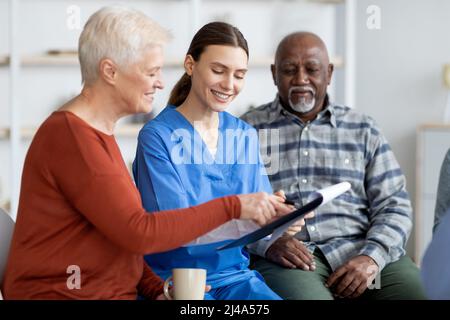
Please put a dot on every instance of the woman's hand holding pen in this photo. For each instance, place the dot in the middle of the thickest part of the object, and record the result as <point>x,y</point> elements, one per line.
<point>262,207</point>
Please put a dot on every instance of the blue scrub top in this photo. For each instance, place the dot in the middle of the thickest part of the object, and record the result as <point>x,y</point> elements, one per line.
<point>174,169</point>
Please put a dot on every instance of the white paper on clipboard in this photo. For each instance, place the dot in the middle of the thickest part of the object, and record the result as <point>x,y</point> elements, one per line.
<point>326,194</point>
<point>275,229</point>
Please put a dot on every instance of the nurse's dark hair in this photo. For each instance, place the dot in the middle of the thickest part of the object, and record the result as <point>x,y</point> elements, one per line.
<point>213,33</point>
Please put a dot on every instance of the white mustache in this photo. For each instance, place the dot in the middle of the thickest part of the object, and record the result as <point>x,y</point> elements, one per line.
<point>302,89</point>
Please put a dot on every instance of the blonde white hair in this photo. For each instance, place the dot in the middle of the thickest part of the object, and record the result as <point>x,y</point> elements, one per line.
<point>120,34</point>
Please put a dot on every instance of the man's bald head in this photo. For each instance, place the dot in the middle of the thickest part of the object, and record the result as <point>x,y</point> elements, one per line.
<point>304,38</point>
<point>302,73</point>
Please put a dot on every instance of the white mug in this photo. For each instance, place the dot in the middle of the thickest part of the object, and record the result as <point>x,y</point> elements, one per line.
<point>188,284</point>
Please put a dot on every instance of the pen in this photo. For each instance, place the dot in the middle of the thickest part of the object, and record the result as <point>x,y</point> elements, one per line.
<point>290,202</point>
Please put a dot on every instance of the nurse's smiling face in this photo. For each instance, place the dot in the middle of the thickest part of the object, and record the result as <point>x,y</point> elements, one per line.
<point>218,76</point>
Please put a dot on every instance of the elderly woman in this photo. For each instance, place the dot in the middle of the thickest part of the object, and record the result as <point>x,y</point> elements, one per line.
<point>81,231</point>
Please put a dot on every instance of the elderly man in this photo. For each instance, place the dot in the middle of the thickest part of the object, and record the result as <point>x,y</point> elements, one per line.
<point>357,241</point>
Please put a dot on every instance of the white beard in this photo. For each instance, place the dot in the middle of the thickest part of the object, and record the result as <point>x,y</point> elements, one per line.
<point>302,106</point>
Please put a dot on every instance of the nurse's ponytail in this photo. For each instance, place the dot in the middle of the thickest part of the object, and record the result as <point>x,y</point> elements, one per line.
<point>180,91</point>
<point>213,33</point>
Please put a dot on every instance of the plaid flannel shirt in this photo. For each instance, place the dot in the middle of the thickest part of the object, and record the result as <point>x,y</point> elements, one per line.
<point>374,218</point>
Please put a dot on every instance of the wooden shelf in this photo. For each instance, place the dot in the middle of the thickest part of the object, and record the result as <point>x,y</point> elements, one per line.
<point>434,126</point>
<point>4,133</point>
<point>43,60</point>
<point>65,60</point>
<point>50,60</point>
<point>328,1</point>
<point>26,132</point>
<point>4,60</point>
<point>316,1</point>
<point>338,62</point>
<point>122,131</point>
<point>5,205</point>
<point>72,60</point>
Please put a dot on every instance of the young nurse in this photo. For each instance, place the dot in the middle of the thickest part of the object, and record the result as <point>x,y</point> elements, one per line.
<point>194,151</point>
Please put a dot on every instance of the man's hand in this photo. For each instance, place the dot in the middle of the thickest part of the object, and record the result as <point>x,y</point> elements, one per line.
<point>291,253</point>
<point>352,279</point>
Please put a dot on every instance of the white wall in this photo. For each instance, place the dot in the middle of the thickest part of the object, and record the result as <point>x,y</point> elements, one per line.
<point>4,102</point>
<point>399,71</point>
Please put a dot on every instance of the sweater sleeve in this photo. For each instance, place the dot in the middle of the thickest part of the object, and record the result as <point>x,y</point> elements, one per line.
<point>110,204</point>
<point>150,285</point>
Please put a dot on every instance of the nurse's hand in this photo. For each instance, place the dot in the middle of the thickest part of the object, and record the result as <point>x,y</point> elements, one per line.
<point>262,207</point>
<point>297,225</point>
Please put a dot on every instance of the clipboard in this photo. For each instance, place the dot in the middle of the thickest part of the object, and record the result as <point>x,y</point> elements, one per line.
<point>279,226</point>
